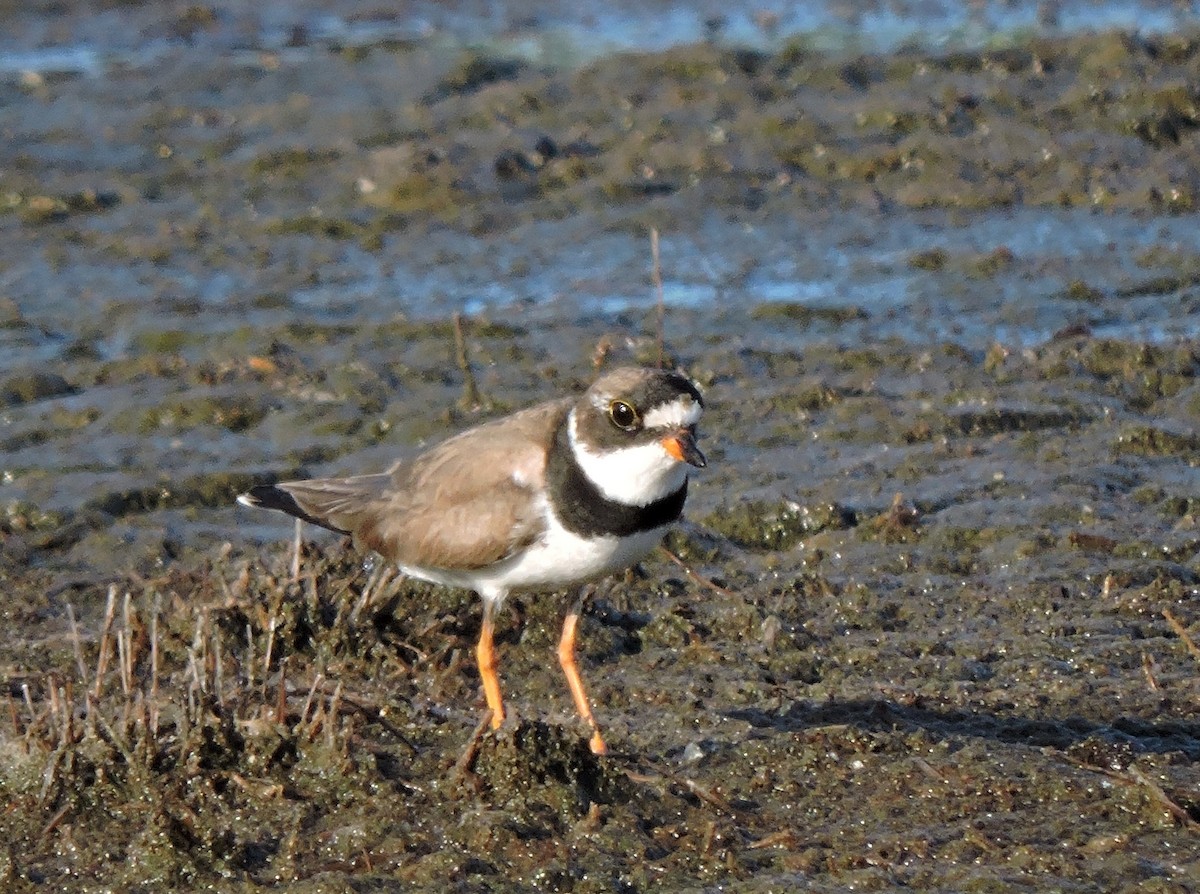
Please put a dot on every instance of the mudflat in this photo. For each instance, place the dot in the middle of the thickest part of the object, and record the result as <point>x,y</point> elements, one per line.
<point>933,621</point>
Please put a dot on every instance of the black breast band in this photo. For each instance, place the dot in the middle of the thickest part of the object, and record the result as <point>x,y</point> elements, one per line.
<point>585,511</point>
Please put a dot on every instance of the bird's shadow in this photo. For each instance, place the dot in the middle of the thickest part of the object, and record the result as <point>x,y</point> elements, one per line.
<point>1124,736</point>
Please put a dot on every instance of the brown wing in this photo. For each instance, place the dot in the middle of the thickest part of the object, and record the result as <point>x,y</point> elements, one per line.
<point>466,503</point>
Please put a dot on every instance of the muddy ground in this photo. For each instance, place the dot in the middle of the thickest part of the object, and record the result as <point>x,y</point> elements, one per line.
<point>936,619</point>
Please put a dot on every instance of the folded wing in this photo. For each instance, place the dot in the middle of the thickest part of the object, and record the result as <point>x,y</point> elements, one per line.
<point>467,503</point>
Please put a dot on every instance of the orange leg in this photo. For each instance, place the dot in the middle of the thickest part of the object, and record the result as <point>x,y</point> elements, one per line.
<point>485,655</point>
<point>566,659</point>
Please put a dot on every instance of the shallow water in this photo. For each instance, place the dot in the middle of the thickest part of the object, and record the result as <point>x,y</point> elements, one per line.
<point>138,35</point>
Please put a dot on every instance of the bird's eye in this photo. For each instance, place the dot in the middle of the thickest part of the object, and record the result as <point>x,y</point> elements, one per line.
<point>623,415</point>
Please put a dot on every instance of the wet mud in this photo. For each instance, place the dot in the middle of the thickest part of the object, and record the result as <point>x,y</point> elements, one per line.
<point>931,622</point>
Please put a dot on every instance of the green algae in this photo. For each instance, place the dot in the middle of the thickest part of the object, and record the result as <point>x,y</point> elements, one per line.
<point>231,413</point>
<point>762,526</point>
<point>1151,440</point>
<point>211,489</point>
<point>932,259</point>
<point>315,225</point>
<point>423,192</point>
<point>1079,290</point>
<point>806,314</point>
<point>992,421</point>
<point>20,517</point>
<point>474,71</point>
<point>35,385</point>
<point>44,209</point>
<point>294,163</point>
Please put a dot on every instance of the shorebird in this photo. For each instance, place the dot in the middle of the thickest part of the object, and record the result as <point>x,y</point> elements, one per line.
<point>558,494</point>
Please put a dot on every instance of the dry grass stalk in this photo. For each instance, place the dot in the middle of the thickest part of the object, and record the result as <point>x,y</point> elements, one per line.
<point>318,680</point>
<point>281,693</point>
<point>154,664</point>
<point>15,720</point>
<point>110,609</point>
<point>77,645</point>
<point>217,671</point>
<point>33,714</point>
<point>335,705</point>
<point>250,662</point>
<point>379,579</point>
<point>54,719</point>
<point>123,661</point>
<point>297,549</point>
<point>202,658</point>
<point>272,623</point>
<point>600,353</point>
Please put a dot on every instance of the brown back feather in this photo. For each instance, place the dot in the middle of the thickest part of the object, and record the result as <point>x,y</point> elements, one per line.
<point>465,503</point>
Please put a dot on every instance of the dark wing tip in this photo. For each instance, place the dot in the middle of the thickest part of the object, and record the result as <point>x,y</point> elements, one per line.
<point>267,496</point>
<point>271,496</point>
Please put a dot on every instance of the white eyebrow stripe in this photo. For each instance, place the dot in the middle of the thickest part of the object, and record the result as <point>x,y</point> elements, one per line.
<point>679,413</point>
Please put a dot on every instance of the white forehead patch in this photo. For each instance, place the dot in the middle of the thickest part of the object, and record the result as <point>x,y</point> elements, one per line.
<point>679,413</point>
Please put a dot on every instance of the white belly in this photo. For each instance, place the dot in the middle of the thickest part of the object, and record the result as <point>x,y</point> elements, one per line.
<point>561,557</point>
<point>558,559</point>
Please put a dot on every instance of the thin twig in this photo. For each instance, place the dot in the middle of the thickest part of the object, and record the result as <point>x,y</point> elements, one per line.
<point>55,706</point>
<point>1176,810</point>
<point>1148,670</point>
<point>51,772</point>
<point>29,705</point>
<point>1182,633</point>
<point>197,660</point>
<point>782,838</point>
<point>466,761</point>
<point>706,794</point>
<point>125,648</point>
<point>55,820</point>
<point>265,790</point>
<point>1136,777</point>
<point>702,581</point>
<point>656,273</point>
<point>470,399</point>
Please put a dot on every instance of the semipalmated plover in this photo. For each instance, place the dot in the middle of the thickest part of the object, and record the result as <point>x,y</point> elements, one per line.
<point>553,495</point>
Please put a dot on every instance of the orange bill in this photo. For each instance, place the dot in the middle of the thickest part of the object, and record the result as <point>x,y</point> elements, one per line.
<point>682,446</point>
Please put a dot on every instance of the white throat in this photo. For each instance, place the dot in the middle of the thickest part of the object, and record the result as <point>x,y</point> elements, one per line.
<point>634,475</point>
